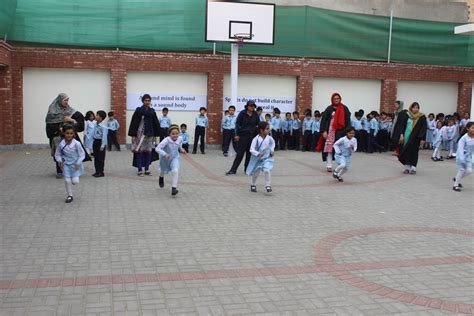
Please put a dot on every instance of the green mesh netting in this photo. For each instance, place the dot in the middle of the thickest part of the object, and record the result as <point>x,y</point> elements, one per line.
<point>7,14</point>
<point>178,25</point>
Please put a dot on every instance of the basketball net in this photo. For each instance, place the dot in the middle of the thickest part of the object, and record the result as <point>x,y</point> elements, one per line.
<point>240,42</point>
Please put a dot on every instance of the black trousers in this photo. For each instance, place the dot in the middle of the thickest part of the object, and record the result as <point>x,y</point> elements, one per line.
<point>163,133</point>
<point>316,136</point>
<point>243,148</point>
<point>99,156</point>
<point>307,140</point>
<point>362,140</point>
<point>112,139</point>
<point>227,137</point>
<point>186,147</point>
<point>295,139</point>
<point>199,135</point>
<point>286,140</point>
<point>277,137</point>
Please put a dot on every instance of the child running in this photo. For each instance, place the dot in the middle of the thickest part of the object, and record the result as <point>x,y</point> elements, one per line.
<point>69,154</point>
<point>262,150</point>
<point>343,148</point>
<point>464,156</point>
<point>169,150</point>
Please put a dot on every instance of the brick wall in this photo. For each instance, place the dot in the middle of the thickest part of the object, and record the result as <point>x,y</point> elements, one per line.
<point>119,62</point>
<point>6,136</point>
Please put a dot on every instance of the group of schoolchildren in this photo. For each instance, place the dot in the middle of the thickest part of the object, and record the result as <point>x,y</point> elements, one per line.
<point>444,132</point>
<point>367,134</point>
<point>288,133</point>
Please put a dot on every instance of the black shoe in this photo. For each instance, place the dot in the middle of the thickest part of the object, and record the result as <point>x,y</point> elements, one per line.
<point>225,154</point>
<point>253,189</point>
<point>269,189</point>
<point>459,185</point>
<point>230,173</point>
<point>161,182</point>
<point>98,175</point>
<point>194,152</point>
<point>59,175</point>
<point>340,179</point>
<point>174,191</point>
<point>147,173</point>
<point>457,189</point>
<point>69,199</point>
<point>440,159</point>
<point>203,153</point>
<point>335,176</point>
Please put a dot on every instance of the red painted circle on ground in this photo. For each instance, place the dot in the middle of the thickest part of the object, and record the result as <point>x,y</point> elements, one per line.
<point>325,260</point>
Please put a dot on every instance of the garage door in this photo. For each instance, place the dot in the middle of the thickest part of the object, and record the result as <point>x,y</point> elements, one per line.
<point>356,93</point>
<point>434,97</point>
<point>87,89</point>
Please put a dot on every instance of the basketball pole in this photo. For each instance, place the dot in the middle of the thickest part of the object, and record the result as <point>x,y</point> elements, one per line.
<point>234,73</point>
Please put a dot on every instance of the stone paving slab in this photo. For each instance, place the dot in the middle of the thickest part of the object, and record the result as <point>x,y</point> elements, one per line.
<point>380,243</point>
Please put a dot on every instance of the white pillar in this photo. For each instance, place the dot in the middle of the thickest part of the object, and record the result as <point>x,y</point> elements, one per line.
<point>234,74</point>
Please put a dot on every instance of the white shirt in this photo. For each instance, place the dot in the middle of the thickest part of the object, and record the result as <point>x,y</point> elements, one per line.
<point>260,144</point>
<point>343,145</point>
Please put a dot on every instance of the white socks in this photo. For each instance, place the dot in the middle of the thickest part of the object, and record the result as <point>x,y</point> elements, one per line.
<point>329,160</point>
<point>461,174</point>
<point>268,177</point>
<point>255,175</point>
<point>437,152</point>
<point>69,182</point>
<point>174,178</point>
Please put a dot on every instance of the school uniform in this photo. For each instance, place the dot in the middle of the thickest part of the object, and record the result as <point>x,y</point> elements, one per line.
<point>437,140</point>
<point>169,147</point>
<point>165,123</point>
<point>265,163</point>
<point>99,145</point>
<point>464,158</point>
<point>296,134</point>
<point>373,130</point>
<point>200,132</point>
<point>276,128</point>
<point>88,138</point>
<point>307,127</point>
<point>357,124</point>
<point>316,131</point>
<point>170,165</point>
<point>431,127</point>
<point>343,149</point>
<point>113,126</point>
<point>185,137</point>
<point>287,132</point>
<point>448,138</point>
<point>228,132</point>
<point>383,135</point>
<point>70,154</point>
<point>463,123</point>
<point>363,139</point>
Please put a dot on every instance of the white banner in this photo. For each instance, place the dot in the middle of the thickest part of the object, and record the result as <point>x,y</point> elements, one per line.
<point>285,104</point>
<point>174,102</point>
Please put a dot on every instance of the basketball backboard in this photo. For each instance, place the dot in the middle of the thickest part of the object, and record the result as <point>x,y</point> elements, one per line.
<point>231,21</point>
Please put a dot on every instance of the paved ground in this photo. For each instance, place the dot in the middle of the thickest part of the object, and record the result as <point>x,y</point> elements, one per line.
<point>380,243</point>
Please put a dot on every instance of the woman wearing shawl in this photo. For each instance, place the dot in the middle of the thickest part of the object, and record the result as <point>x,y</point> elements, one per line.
<point>409,132</point>
<point>334,121</point>
<point>144,128</point>
<point>59,113</point>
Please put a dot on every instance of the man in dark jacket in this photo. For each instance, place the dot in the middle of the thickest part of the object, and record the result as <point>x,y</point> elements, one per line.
<point>245,131</point>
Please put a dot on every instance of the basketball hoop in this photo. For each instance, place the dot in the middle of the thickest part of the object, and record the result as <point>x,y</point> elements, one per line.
<point>241,37</point>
